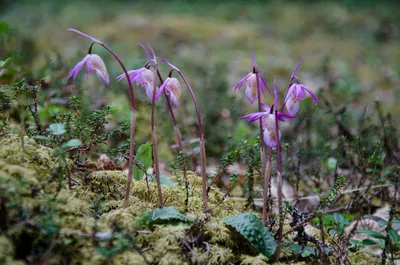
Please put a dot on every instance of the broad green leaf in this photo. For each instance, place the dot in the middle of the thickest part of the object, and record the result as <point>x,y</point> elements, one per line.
<point>394,236</point>
<point>165,215</point>
<point>44,138</point>
<point>145,156</point>
<point>57,128</point>
<point>368,242</point>
<point>372,233</point>
<point>251,228</point>
<point>72,143</point>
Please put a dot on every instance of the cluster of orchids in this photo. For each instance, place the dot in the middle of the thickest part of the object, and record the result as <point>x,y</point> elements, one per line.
<point>269,118</point>
<point>146,77</point>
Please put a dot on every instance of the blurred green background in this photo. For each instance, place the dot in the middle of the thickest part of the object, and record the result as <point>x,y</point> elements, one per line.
<point>352,57</point>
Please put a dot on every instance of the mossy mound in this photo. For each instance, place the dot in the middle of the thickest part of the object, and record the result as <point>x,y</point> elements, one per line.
<point>42,222</point>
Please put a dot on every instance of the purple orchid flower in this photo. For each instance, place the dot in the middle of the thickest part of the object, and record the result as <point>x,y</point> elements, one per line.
<point>269,125</point>
<point>251,88</point>
<point>173,90</point>
<point>93,63</point>
<point>143,77</point>
<point>296,93</point>
<point>251,81</point>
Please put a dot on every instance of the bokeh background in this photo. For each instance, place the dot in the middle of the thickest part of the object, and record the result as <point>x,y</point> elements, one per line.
<point>352,47</point>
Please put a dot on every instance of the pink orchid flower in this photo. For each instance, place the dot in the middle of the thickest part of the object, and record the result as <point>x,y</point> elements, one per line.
<point>251,81</point>
<point>93,63</point>
<point>296,93</point>
<point>269,124</point>
<point>143,77</point>
<point>251,86</point>
<point>173,90</point>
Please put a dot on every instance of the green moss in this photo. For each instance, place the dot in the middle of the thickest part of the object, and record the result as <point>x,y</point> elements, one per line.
<point>90,224</point>
<point>257,260</point>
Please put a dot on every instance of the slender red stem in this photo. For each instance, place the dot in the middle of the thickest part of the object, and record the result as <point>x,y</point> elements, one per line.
<point>279,182</point>
<point>178,136</point>
<point>267,180</point>
<point>154,140</point>
<point>264,171</point>
<point>132,124</point>
<point>202,145</point>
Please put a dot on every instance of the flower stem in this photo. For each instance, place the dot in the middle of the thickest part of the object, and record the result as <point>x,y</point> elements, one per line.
<point>202,145</point>
<point>178,136</point>
<point>132,124</point>
<point>155,145</point>
<point>262,150</point>
<point>279,184</point>
<point>267,181</point>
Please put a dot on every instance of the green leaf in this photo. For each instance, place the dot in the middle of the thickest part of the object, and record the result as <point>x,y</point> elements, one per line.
<point>307,252</point>
<point>372,233</point>
<point>57,128</point>
<point>165,215</point>
<point>4,63</point>
<point>3,27</point>
<point>368,242</point>
<point>394,236</point>
<point>251,228</point>
<point>331,163</point>
<point>72,143</point>
<point>44,138</point>
<point>382,223</point>
<point>145,156</point>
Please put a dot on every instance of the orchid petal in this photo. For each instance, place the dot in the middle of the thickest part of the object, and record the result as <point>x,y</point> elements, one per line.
<point>240,83</point>
<point>276,100</point>
<point>299,92</point>
<point>270,138</point>
<point>77,68</point>
<point>298,65</point>
<point>145,51</point>
<point>95,63</point>
<point>266,107</point>
<point>311,94</point>
<point>292,107</point>
<point>149,91</point>
<point>253,57</point>
<point>284,115</point>
<point>123,75</point>
<point>289,93</point>
<point>174,99</point>
<point>85,35</point>
<point>161,89</point>
<point>249,94</point>
<point>281,116</point>
<point>253,116</point>
<point>151,49</point>
<point>169,64</point>
<point>264,84</point>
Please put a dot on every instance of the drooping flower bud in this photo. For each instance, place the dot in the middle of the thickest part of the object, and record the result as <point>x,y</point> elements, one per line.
<point>172,88</point>
<point>144,78</point>
<point>93,63</point>
<point>296,93</point>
